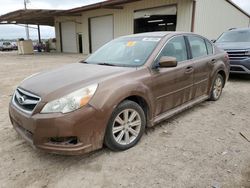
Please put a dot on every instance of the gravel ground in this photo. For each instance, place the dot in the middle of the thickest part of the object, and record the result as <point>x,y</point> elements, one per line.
<point>200,147</point>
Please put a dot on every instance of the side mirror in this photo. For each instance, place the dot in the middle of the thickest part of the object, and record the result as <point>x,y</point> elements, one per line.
<point>166,61</point>
<point>213,40</point>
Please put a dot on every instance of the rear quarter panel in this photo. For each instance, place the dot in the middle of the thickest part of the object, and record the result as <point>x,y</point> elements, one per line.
<point>222,64</point>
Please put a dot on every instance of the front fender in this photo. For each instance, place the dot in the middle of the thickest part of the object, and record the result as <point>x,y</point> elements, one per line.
<point>109,96</point>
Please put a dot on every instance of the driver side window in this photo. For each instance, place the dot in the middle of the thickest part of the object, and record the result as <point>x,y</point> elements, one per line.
<point>176,47</point>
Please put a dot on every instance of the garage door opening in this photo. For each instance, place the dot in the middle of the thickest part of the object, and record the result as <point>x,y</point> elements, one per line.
<point>155,19</point>
<point>80,47</point>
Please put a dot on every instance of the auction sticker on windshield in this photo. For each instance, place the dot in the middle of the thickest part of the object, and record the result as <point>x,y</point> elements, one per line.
<point>152,39</point>
<point>131,43</point>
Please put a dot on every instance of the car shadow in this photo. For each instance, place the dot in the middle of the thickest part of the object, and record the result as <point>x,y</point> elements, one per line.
<point>239,77</point>
<point>70,160</point>
<point>171,123</point>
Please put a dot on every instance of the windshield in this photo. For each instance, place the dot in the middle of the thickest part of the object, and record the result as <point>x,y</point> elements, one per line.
<point>128,52</point>
<point>235,36</point>
<point>6,43</point>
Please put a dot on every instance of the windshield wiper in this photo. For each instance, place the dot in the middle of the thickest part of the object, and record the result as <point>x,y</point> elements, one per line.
<point>83,61</point>
<point>106,64</point>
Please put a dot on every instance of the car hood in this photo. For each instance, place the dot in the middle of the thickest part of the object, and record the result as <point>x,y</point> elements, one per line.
<point>233,45</point>
<point>62,81</point>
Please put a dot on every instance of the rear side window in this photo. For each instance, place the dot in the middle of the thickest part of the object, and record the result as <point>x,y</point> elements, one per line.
<point>176,47</point>
<point>198,46</point>
<point>209,47</point>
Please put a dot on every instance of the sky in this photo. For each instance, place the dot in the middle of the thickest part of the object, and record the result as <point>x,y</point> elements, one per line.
<point>48,32</point>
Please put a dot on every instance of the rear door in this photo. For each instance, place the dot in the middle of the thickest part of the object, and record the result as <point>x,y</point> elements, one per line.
<point>173,86</point>
<point>202,64</point>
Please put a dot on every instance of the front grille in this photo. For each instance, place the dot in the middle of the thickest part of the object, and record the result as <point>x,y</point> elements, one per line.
<point>25,101</point>
<point>237,54</point>
<point>238,69</point>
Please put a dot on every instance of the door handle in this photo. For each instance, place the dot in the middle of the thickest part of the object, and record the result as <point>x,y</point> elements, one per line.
<point>189,70</point>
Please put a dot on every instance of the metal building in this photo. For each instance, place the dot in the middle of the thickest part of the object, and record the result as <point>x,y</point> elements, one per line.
<point>85,29</point>
<point>100,23</point>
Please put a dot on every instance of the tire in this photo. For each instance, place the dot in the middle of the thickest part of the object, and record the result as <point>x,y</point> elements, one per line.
<point>217,88</point>
<point>122,134</point>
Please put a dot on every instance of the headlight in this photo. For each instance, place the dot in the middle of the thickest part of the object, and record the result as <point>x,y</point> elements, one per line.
<point>247,53</point>
<point>71,102</point>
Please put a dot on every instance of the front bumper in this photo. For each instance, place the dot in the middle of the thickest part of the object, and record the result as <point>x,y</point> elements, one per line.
<point>87,125</point>
<point>240,66</point>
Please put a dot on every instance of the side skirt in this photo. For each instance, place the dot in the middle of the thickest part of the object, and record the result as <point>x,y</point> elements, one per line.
<point>179,109</point>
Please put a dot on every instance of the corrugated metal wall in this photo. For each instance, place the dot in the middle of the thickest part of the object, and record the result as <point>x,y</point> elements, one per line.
<point>215,16</point>
<point>124,19</point>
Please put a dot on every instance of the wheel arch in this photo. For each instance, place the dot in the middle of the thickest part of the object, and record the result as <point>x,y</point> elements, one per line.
<point>136,92</point>
<point>220,71</point>
<point>223,74</point>
<point>142,102</point>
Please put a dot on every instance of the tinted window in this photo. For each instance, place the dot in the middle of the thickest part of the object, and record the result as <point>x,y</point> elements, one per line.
<point>209,47</point>
<point>176,47</point>
<point>198,46</point>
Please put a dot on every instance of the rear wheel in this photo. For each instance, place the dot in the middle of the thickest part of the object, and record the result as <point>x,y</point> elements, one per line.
<point>125,127</point>
<point>217,88</point>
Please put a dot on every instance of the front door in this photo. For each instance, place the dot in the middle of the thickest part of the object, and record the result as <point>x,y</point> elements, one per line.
<point>173,86</point>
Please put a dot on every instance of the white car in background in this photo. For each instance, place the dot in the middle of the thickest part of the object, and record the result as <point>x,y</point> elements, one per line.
<point>6,46</point>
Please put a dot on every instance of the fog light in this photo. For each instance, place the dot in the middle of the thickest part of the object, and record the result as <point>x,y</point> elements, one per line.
<point>64,140</point>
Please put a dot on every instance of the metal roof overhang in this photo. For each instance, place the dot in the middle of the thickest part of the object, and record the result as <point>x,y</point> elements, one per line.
<point>116,4</point>
<point>47,17</point>
<point>31,16</point>
<point>108,4</point>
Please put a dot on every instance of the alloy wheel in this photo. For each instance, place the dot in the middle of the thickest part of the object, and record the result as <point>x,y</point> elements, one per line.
<point>126,126</point>
<point>218,86</point>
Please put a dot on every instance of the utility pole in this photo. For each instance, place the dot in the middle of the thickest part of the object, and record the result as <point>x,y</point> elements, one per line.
<point>27,26</point>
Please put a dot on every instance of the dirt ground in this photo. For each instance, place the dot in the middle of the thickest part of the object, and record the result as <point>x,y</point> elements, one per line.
<point>199,148</point>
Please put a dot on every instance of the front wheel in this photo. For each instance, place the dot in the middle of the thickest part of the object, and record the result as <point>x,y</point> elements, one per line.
<point>126,126</point>
<point>217,88</point>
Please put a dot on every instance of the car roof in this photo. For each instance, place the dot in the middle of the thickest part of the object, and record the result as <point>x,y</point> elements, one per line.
<point>239,29</point>
<point>156,34</point>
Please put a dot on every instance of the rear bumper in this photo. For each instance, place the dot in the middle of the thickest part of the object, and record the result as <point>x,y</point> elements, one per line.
<point>240,66</point>
<point>39,130</point>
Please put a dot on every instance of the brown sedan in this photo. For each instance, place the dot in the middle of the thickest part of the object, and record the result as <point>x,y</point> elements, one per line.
<point>131,83</point>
